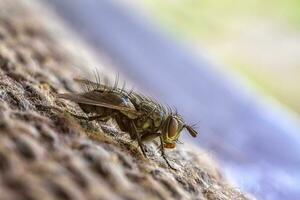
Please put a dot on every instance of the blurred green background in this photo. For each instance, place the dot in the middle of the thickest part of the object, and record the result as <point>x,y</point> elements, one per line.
<point>260,40</point>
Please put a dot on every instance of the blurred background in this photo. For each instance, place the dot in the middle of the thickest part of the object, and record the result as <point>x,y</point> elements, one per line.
<point>232,65</point>
<point>258,40</point>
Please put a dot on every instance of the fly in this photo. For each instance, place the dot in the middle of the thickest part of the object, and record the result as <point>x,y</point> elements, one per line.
<point>142,117</point>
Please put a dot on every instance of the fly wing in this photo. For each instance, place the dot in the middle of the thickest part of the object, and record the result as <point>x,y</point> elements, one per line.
<point>89,83</point>
<point>91,99</point>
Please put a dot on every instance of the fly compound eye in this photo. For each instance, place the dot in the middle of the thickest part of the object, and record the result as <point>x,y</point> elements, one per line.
<point>173,128</point>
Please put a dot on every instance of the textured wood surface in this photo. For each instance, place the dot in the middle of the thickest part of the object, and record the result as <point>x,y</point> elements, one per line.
<point>241,127</point>
<point>47,154</point>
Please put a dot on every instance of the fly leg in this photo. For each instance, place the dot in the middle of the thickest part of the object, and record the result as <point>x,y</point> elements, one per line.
<point>163,154</point>
<point>138,137</point>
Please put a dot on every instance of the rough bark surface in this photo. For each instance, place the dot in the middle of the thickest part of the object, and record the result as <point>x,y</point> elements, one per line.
<point>47,154</point>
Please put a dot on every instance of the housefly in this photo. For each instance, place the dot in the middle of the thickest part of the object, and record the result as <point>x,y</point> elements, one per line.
<point>142,117</point>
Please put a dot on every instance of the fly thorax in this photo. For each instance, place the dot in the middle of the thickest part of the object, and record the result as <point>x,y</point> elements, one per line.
<point>147,124</point>
<point>157,118</point>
